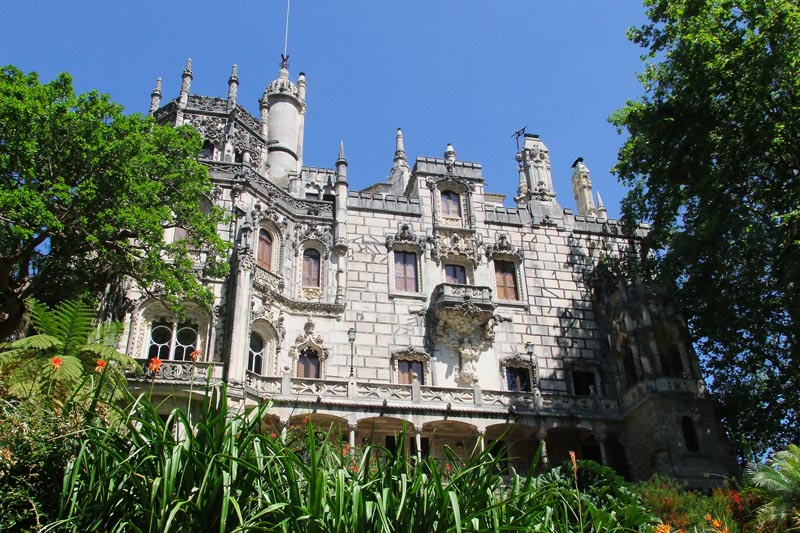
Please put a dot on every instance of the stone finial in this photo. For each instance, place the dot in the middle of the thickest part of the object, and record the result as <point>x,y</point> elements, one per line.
<point>602,212</point>
<point>341,159</point>
<point>155,97</point>
<point>301,86</point>
<point>399,149</point>
<point>450,154</point>
<point>341,165</point>
<point>233,85</point>
<point>582,189</point>
<point>186,82</point>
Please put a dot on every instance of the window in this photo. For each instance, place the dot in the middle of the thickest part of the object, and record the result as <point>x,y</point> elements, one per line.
<point>455,274</point>
<point>407,368</point>
<point>311,268</point>
<point>308,364</point>
<point>518,379</point>
<point>506,277</point>
<point>451,204</point>
<point>264,258</point>
<point>689,434</point>
<point>405,271</point>
<point>169,340</point>
<point>255,358</point>
<point>312,195</point>
<point>583,382</point>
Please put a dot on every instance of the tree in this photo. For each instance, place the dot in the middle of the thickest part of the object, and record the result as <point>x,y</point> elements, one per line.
<point>86,194</point>
<point>780,480</point>
<point>712,159</point>
<point>67,346</point>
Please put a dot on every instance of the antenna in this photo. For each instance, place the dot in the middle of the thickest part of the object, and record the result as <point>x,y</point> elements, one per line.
<point>519,133</point>
<point>285,55</point>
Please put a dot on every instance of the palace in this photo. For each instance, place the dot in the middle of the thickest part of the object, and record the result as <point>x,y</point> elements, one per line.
<point>425,302</point>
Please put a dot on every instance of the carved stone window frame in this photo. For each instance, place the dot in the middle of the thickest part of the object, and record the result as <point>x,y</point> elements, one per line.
<point>463,190</point>
<point>272,341</point>
<point>410,353</point>
<point>583,365</point>
<point>305,340</point>
<point>519,361</point>
<point>308,293</point>
<point>405,240</point>
<point>152,311</point>
<point>277,246</point>
<point>504,250</point>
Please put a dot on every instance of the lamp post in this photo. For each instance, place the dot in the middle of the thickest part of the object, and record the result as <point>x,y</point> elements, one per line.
<point>529,349</point>
<point>351,336</point>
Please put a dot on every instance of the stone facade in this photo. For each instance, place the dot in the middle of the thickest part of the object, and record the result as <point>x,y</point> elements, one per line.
<point>425,302</point>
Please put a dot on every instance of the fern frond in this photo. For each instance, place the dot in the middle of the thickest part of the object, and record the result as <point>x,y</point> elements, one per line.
<point>33,343</point>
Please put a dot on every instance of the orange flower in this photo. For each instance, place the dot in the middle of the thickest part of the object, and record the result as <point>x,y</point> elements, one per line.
<point>100,365</point>
<point>155,365</point>
<point>663,528</point>
<point>346,449</point>
<point>195,355</point>
<point>574,459</point>
<point>707,517</point>
<point>274,435</point>
<point>716,524</point>
<point>56,363</point>
<point>448,467</point>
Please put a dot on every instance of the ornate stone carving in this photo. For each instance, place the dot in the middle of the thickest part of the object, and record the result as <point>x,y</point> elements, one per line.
<point>465,323</point>
<point>244,259</point>
<point>311,293</point>
<point>322,234</point>
<point>308,339</point>
<point>503,246</point>
<point>273,316</point>
<point>404,235</point>
<point>210,128</point>
<point>207,103</point>
<point>451,244</point>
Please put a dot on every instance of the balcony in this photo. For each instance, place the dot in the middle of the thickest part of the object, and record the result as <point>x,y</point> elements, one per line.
<point>395,398</point>
<point>177,372</point>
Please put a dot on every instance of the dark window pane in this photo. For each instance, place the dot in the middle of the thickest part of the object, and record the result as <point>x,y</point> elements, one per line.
<point>264,259</point>
<point>583,382</point>
<point>455,274</point>
<point>505,274</point>
<point>405,271</point>
<point>451,204</point>
<point>518,379</point>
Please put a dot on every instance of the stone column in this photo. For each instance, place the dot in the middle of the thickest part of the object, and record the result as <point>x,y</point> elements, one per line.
<point>352,437</point>
<point>482,438</point>
<point>542,435</point>
<point>418,442</point>
<point>240,330</point>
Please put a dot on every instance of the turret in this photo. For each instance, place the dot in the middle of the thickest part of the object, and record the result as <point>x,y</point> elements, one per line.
<point>233,85</point>
<point>582,189</point>
<point>155,97</point>
<point>287,107</point>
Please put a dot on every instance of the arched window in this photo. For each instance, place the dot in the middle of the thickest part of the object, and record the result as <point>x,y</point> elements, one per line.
<point>255,358</point>
<point>311,268</point>
<point>451,204</point>
<point>169,340</point>
<point>308,364</point>
<point>264,259</point>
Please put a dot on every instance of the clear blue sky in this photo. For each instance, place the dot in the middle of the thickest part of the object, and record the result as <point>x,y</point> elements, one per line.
<point>466,72</point>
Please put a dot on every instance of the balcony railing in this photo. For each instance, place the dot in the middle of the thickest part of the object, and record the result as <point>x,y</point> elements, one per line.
<point>287,388</point>
<point>177,372</point>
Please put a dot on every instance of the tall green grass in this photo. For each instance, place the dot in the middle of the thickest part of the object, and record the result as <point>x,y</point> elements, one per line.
<point>210,469</point>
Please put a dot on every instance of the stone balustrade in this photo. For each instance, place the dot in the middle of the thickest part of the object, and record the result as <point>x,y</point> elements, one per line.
<point>178,372</point>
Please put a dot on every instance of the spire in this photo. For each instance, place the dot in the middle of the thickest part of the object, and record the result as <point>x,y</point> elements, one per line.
<point>602,212</point>
<point>399,150</point>
<point>341,165</point>
<point>155,97</point>
<point>186,82</point>
<point>582,189</point>
<point>233,85</point>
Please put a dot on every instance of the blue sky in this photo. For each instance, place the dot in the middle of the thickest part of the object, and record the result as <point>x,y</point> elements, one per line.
<point>465,72</point>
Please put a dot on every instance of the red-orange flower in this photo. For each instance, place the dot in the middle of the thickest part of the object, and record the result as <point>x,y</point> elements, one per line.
<point>100,365</point>
<point>574,459</point>
<point>195,355</point>
<point>663,528</point>
<point>448,467</point>
<point>56,363</point>
<point>274,435</point>
<point>155,365</point>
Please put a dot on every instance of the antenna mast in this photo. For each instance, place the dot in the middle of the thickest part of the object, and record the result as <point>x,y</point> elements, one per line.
<point>285,55</point>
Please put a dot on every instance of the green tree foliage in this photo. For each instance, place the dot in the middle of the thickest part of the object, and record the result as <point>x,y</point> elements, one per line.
<point>86,193</point>
<point>780,481</point>
<point>67,346</point>
<point>712,159</point>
